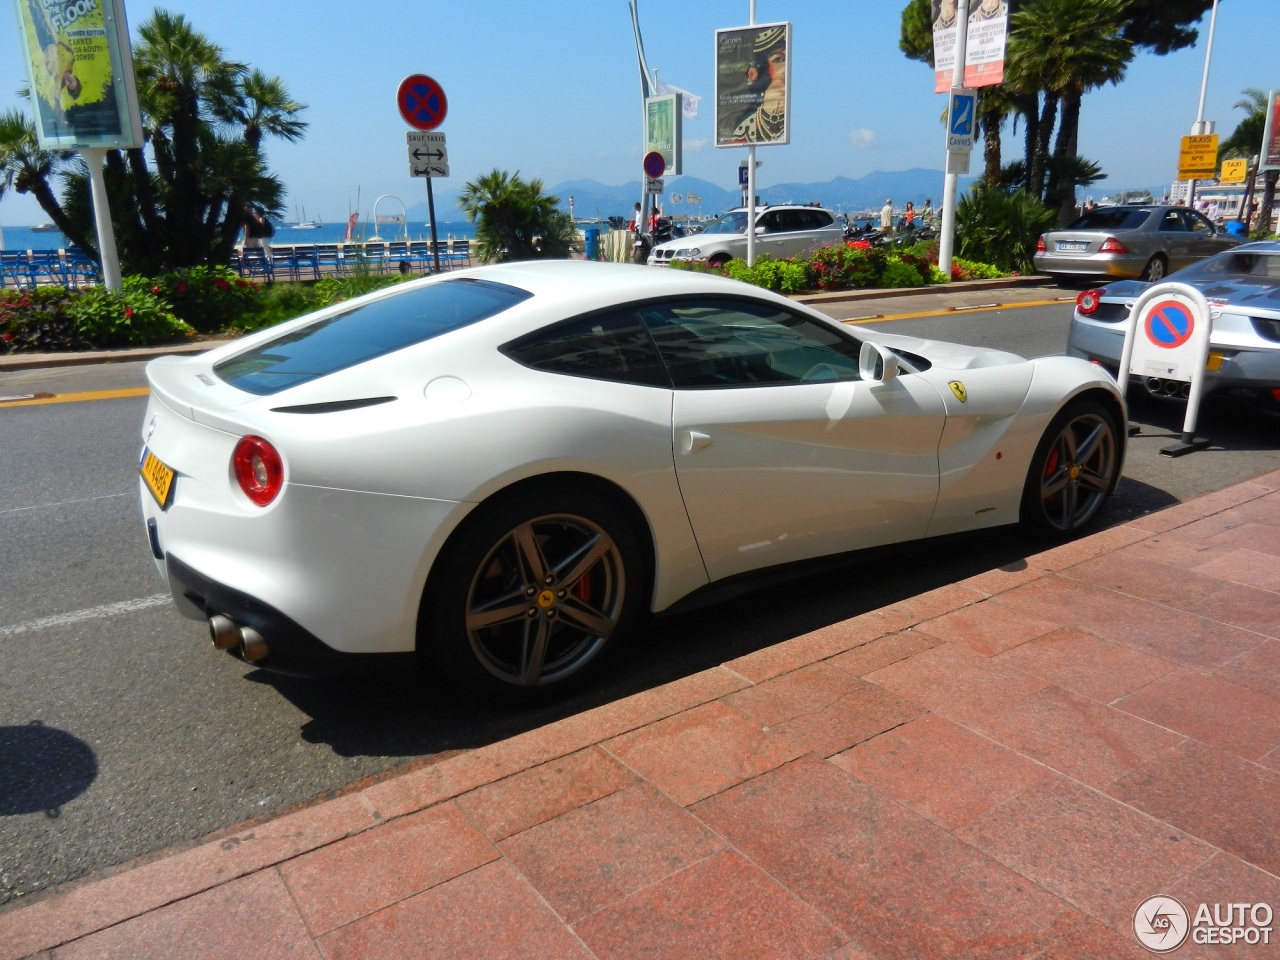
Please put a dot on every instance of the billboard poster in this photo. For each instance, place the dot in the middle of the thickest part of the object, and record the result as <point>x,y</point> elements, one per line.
<point>985,37</point>
<point>662,129</point>
<point>81,73</point>
<point>753,85</point>
<point>1270,159</point>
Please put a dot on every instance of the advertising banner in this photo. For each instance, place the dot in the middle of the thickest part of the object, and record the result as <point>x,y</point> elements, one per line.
<point>1270,159</point>
<point>987,30</point>
<point>753,85</point>
<point>81,72</point>
<point>662,130</point>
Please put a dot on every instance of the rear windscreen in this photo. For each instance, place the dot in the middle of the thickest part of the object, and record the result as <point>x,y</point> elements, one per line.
<point>1110,218</point>
<point>365,331</point>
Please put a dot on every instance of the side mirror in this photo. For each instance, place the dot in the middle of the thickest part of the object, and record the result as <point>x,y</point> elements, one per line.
<point>877,364</point>
<point>759,231</point>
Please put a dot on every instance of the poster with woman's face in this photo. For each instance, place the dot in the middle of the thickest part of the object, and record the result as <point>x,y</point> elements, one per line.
<point>753,85</point>
<point>74,58</point>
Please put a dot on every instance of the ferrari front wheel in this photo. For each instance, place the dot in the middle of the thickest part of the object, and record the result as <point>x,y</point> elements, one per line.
<point>540,589</point>
<point>1075,468</point>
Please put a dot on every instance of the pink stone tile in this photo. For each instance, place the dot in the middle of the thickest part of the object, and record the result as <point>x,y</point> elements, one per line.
<point>1259,669</point>
<point>1246,607</point>
<point>724,908</point>
<point>1087,939</point>
<point>799,692</point>
<point>1087,548</point>
<point>1088,741</point>
<point>1086,664</point>
<point>867,864</point>
<point>460,774</point>
<point>1211,710</point>
<point>986,628</point>
<point>1248,567</point>
<point>543,793</point>
<point>489,914</point>
<point>1150,627</point>
<point>1174,549</point>
<point>1213,795</point>
<point>249,917</point>
<point>927,606</point>
<point>1146,578</point>
<point>99,903</point>
<point>956,683</point>
<point>360,875</point>
<point>1259,537</point>
<point>864,712</point>
<point>1003,578</point>
<point>1092,851</point>
<point>607,850</point>
<point>801,651</point>
<point>941,771</point>
<point>880,653</point>
<point>1226,880</point>
<point>700,752</point>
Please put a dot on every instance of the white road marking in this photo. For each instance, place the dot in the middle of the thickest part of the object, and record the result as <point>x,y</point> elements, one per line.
<point>79,616</point>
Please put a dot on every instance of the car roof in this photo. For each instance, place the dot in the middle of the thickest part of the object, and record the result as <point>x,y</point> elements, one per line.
<point>623,281</point>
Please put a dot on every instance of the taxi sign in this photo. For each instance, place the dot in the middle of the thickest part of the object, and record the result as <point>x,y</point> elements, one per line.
<point>1198,157</point>
<point>1234,171</point>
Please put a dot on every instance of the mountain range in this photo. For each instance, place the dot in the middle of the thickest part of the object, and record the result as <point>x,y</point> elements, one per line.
<point>842,194</point>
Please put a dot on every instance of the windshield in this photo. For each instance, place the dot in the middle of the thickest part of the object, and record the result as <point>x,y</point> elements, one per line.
<point>366,330</point>
<point>1111,218</point>
<point>735,222</point>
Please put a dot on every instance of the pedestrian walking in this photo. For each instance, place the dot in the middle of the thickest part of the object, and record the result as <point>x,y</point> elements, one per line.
<point>886,216</point>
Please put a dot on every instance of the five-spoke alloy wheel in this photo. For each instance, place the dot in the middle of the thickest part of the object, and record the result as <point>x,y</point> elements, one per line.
<point>1075,468</point>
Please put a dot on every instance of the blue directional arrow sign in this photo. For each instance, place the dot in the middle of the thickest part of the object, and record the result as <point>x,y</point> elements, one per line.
<point>960,120</point>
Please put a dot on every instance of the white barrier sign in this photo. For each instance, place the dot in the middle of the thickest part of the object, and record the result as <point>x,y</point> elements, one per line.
<point>1168,339</point>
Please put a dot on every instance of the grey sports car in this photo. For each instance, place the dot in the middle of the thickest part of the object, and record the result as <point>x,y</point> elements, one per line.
<point>1242,286</point>
<point>1143,242</point>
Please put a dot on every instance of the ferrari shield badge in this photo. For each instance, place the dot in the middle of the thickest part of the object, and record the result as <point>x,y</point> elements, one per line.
<point>958,389</point>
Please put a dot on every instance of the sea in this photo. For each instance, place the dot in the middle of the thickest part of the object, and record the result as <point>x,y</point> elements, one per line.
<point>24,238</point>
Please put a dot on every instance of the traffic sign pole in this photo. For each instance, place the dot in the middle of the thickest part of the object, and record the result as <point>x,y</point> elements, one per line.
<point>946,239</point>
<point>424,106</point>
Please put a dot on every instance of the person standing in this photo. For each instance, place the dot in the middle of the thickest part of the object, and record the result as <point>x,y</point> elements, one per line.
<point>257,231</point>
<point>909,215</point>
<point>926,212</point>
<point>886,216</point>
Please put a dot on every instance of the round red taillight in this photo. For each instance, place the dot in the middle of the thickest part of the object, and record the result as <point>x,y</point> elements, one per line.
<point>258,469</point>
<point>1089,301</point>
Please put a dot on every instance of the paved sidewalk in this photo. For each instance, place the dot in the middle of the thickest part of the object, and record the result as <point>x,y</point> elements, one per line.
<point>1005,767</point>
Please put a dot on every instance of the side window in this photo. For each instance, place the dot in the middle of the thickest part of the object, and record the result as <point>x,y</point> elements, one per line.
<point>819,219</point>
<point>793,220</point>
<point>1196,223</point>
<point>606,346</point>
<point>710,343</point>
<point>1172,221</point>
<point>772,221</point>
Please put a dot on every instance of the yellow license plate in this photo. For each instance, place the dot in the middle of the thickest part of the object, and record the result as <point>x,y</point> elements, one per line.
<point>157,477</point>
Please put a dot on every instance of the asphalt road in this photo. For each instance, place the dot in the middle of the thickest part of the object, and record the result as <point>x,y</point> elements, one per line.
<point>123,732</point>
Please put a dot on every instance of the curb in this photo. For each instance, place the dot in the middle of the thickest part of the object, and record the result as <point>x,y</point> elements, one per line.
<point>30,361</point>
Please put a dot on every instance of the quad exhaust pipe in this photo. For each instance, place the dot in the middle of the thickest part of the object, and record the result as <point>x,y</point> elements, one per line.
<point>1167,389</point>
<point>226,634</point>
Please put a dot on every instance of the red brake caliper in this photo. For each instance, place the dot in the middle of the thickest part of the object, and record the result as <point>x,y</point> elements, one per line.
<point>1051,463</point>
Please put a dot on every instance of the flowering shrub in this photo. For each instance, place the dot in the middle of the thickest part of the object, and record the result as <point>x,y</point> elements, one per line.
<point>37,320</point>
<point>209,298</point>
<point>131,318</point>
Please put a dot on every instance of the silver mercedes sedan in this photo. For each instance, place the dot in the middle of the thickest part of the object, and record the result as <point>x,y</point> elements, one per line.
<point>1140,242</point>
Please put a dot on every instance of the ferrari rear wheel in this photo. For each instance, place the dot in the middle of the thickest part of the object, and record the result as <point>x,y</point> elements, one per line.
<point>536,595</point>
<point>1074,469</point>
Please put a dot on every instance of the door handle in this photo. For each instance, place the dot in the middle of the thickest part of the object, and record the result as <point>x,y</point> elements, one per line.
<point>691,440</point>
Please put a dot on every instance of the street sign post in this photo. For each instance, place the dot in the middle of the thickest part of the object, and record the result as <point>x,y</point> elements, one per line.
<point>424,106</point>
<point>654,164</point>
<point>653,185</point>
<point>1234,171</point>
<point>1198,157</point>
<point>960,121</point>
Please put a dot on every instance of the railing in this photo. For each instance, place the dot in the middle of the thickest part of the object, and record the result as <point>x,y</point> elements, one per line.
<point>28,269</point>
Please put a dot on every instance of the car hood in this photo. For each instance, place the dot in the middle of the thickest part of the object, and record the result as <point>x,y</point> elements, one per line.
<point>952,356</point>
<point>1250,294</point>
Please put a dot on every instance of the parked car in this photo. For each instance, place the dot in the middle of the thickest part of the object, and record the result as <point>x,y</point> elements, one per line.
<point>1242,286</point>
<point>781,231</point>
<point>498,469</point>
<point>1143,242</point>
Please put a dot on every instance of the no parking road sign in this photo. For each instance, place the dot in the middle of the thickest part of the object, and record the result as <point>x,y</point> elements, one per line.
<point>654,164</point>
<point>422,102</point>
<point>1167,339</point>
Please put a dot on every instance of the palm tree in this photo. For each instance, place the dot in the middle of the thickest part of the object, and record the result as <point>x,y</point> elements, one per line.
<point>514,219</point>
<point>1062,48</point>
<point>1246,141</point>
<point>26,168</point>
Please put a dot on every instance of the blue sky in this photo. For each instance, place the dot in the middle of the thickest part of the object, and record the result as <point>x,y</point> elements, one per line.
<point>552,89</point>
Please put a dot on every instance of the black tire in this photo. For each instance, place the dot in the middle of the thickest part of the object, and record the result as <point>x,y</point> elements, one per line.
<point>1156,269</point>
<point>540,590</point>
<point>1075,467</point>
